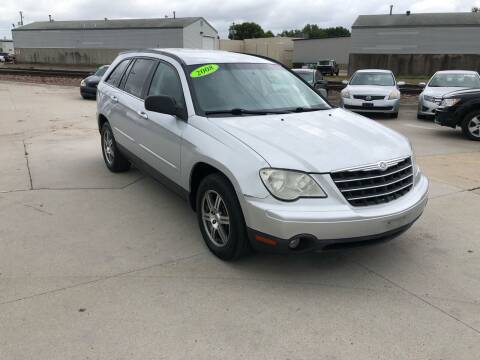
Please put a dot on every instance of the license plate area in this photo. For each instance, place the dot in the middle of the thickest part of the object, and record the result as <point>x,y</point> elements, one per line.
<point>367,104</point>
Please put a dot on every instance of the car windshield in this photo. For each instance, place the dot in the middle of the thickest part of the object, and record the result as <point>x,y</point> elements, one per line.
<point>455,80</point>
<point>101,70</point>
<point>250,87</point>
<point>324,62</point>
<point>372,78</point>
<point>306,75</point>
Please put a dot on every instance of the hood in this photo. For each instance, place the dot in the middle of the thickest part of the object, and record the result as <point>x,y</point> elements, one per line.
<point>92,80</point>
<point>440,91</point>
<point>370,89</point>
<point>317,141</point>
<point>471,92</point>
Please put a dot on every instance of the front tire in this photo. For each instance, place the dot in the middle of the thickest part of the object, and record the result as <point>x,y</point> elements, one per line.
<point>471,125</point>
<point>113,158</point>
<point>221,219</point>
<point>394,115</point>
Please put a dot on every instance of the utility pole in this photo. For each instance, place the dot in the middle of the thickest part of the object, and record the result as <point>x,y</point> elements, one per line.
<point>391,9</point>
<point>21,18</point>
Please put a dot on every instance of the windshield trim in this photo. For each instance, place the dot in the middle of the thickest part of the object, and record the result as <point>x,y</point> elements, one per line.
<point>373,72</point>
<point>200,112</point>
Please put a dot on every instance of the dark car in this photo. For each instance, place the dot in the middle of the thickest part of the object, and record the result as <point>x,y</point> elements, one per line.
<point>461,108</point>
<point>5,57</point>
<point>88,86</point>
<point>329,67</point>
<point>315,79</point>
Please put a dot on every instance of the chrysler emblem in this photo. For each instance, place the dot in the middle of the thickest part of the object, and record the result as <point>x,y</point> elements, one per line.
<point>382,165</point>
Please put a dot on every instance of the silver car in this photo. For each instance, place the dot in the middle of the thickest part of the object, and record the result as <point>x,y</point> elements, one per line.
<point>314,78</point>
<point>265,162</point>
<point>440,84</point>
<point>372,91</point>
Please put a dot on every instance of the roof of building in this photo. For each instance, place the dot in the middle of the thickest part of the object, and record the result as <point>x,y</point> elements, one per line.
<point>6,40</point>
<point>420,19</point>
<point>163,23</point>
<point>200,56</point>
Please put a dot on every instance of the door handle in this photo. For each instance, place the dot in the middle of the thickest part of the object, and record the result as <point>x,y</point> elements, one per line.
<point>142,114</point>
<point>114,98</point>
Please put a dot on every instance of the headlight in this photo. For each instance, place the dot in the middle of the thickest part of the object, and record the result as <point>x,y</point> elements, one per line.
<point>394,95</point>
<point>450,102</point>
<point>289,185</point>
<point>82,83</point>
<point>345,93</point>
<point>428,98</point>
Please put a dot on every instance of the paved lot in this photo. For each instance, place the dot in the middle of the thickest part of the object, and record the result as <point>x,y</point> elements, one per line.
<point>101,266</point>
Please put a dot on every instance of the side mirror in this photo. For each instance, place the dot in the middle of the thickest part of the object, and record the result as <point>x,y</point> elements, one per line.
<point>165,105</point>
<point>422,84</point>
<point>345,82</point>
<point>401,83</point>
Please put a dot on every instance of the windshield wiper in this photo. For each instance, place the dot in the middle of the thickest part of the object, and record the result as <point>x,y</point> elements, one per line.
<point>302,109</point>
<point>238,112</point>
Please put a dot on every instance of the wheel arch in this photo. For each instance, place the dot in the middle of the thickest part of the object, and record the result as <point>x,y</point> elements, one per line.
<point>102,119</point>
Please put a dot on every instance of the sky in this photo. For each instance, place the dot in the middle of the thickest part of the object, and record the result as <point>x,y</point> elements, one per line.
<point>275,15</point>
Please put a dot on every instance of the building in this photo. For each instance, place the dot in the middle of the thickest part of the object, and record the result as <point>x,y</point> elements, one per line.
<point>309,51</point>
<point>94,42</point>
<point>416,44</point>
<point>278,48</point>
<point>6,46</point>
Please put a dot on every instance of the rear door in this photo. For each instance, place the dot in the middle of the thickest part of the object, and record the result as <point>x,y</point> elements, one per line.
<point>112,98</point>
<point>131,103</point>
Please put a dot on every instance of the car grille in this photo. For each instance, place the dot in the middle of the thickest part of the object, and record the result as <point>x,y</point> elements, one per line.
<point>369,97</point>
<point>372,186</point>
<point>358,107</point>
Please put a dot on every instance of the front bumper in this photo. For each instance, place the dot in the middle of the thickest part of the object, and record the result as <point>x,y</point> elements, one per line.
<point>446,117</point>
<point>322,223</point>
<point>373,106</point>
<point>427,108</point>
<point>88,91</point>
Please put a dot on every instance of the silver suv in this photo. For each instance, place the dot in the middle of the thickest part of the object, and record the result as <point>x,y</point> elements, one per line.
<point>265,161</point>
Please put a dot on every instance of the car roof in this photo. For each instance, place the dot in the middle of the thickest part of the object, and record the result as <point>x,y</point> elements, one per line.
<point>200,56</point>
<point>456,72</point>
<point>375,70</point>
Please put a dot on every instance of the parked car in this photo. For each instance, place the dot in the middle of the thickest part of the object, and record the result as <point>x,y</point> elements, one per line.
<point>441,83</point>
<point>372,91</point>
<point>263,159</point>
<point>329,67</point>
<point>88,86</point>
<point>5,57</point>
<point>461,108</point>
<point>315,79</point>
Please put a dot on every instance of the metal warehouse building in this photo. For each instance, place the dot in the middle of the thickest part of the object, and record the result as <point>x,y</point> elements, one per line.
<point>416,44</point>
<point>93,42</point>
<point>307,51</point>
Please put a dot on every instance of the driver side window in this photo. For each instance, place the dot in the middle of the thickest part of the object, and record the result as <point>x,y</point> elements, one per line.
<point>166,82</point>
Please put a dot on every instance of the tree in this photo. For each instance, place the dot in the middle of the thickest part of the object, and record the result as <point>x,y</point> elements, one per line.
<point>314,31</point>
<point>269,33</point>
<point>246,30</point>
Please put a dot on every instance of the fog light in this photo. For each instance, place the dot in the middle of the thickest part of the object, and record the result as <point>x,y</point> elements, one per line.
<point>294,243</point>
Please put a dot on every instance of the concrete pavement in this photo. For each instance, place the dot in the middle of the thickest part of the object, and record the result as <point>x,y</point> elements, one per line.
<point>95,265</point>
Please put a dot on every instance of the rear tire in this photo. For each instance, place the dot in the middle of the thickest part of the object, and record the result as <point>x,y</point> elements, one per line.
<point>220,218</point>
<point>471,125</point>
<point>113,158</point>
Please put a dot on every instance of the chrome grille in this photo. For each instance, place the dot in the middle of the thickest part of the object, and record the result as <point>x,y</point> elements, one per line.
<point>372,185</point>
<point>369,97</point>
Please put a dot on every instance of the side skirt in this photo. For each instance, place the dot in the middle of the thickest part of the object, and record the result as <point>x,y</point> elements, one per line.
<point>147,169</point>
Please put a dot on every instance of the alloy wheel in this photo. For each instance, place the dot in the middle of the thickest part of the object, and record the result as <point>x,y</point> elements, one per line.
<point>215,218</point>
<point>474,126</point>
<point>108,148</point>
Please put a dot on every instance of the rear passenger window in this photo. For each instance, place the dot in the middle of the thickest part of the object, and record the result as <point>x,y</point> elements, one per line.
<point>166,82</point>
<point>138,76</point>
<point>116,75</point>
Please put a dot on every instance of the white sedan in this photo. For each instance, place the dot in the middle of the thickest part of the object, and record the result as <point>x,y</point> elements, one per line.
<point>372,91</point>
<point>442,83</point>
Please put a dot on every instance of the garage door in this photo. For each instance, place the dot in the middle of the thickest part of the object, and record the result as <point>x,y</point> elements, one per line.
<point>208,43</point>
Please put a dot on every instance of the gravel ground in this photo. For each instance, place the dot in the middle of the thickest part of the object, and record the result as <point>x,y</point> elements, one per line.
<point>52,80</point>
